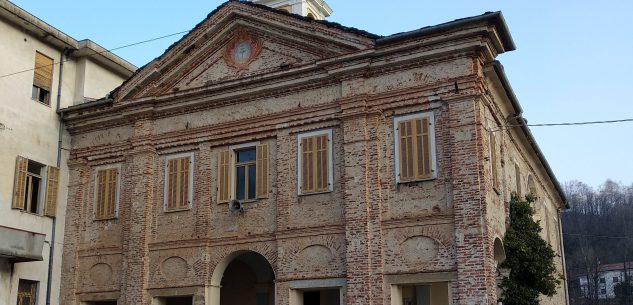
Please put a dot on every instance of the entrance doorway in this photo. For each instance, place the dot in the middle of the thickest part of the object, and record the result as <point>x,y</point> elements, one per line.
<point>247,280</point>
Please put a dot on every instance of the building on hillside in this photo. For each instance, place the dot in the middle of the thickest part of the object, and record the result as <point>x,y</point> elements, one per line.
<point>41,70</point>
<point>601,284</point>
<point>270,158</point>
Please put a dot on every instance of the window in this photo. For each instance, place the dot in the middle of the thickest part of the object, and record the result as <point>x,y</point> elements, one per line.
<point>602,280</point>
<point>603,291</point>
<point>616,279</point>
<point>42,78</point>
<point>107,192</point>
<point>531,185</point>
<point>179,182</point>
<point>494,161</point>
<point>174,301</point>
<point>415,144</point>
<point>318,297</point>
<point>315,162</point>
<point>243,173</point>
<point>27,292</point>
<point>416,295</point>
<point>35,187</point>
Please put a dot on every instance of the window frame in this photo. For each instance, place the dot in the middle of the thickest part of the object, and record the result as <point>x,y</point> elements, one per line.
<point>396,132</point>
<point>191,181</point>
<point>118,167</point>
<point>36,290</point>
<point>233,169</point>
<point>36,91</point>
<point>41,193</point>
<point>330,166</point>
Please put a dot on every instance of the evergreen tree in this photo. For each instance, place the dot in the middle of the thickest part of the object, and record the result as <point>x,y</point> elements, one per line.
<point>529,258</point>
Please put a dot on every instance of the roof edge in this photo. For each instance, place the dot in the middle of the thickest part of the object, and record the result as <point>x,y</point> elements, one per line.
<point>499,71</point>
<point>48,33</point>
<point>494,18</point>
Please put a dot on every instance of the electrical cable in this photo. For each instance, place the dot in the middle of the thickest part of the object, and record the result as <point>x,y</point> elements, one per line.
<point>96,53</point>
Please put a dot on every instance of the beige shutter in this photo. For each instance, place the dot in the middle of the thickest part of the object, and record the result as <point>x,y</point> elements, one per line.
<point>223,176</point>
<point>178,183</point>
<point>43,76</point>
<point>321,163</point>
<point>107,188</point>
<point>307,165</point>
<point>261,167</point>
<point>423,149</point>
<point>406,150</point>
<point>415,149</point>
<point>52,190</point>
<point>184,172</point>
<point>19,185</point>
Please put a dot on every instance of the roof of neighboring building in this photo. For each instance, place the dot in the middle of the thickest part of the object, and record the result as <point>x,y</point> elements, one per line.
<point>49,34</point>
<point>615,267</point>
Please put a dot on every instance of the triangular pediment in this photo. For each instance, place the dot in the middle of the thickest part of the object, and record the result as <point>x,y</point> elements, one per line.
<point>241,40</point>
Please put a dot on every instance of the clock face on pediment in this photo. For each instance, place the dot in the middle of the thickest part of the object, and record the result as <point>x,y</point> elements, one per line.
<point>242,50</point>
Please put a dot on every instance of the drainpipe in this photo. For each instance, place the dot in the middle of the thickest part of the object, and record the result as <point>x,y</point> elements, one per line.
<point>51,253</point>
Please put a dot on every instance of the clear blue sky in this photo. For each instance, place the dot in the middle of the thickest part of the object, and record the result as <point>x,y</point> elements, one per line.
<point>573,62</point>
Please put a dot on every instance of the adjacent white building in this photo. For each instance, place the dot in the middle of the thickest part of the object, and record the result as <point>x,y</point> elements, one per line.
<point>41,70</point>
<point>603,285</point>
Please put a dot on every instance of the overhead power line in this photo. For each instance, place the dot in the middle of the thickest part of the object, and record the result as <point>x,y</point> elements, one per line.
<point>101,52</point>
<point>597,236</point>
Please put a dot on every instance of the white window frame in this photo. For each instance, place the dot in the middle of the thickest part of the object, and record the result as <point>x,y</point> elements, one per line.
<point>330,177</point>
<point>396,150</point>
<point>232,169</point>
<point>191,181</point>
<point>96,189</point>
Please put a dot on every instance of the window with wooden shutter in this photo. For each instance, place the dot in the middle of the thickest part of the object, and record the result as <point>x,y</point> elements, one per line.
<point>263,183</point>
<point>415,147</point>
<point>494,161</point>
<point>42,78</point>
<point>107,189</point>
<point>315,167</point>
<point>224,174</point>
<point>28,185</point>
<point>179,179</point>
<point>19,185</point>
<point>52,190</point>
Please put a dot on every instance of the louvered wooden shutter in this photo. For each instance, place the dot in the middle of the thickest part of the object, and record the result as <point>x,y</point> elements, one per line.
<point>321,163</point>
<point>178,184</point>
<point>107,188</point>
<point>493,160</point>
<point>19,185</point>
<point>307,165</point>
<point>43,76</point>
<point>315,164</point>
<point>52,190</point>
<point>262,161</point>
<point>223,176</point>
<point>415,149</point>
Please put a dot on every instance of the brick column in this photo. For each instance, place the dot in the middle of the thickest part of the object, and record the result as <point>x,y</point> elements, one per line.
<point>474,280</point>
<point>78,186</point>
<point>361,206</point>
<point>136,210</point>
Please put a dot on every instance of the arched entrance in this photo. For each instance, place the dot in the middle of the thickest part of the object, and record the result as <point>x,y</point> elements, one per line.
<point>243,278</point>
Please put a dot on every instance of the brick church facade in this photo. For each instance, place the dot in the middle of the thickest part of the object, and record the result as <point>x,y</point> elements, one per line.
<point>268,158</point>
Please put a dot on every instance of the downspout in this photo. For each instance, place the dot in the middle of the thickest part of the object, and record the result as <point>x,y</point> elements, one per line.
<point>51,253</point>
<point>562,255</point>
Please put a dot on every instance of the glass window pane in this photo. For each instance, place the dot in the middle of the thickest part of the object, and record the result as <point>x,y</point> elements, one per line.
<point>251,181</point>
<point>240,183</point>
<point>246,155</point>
